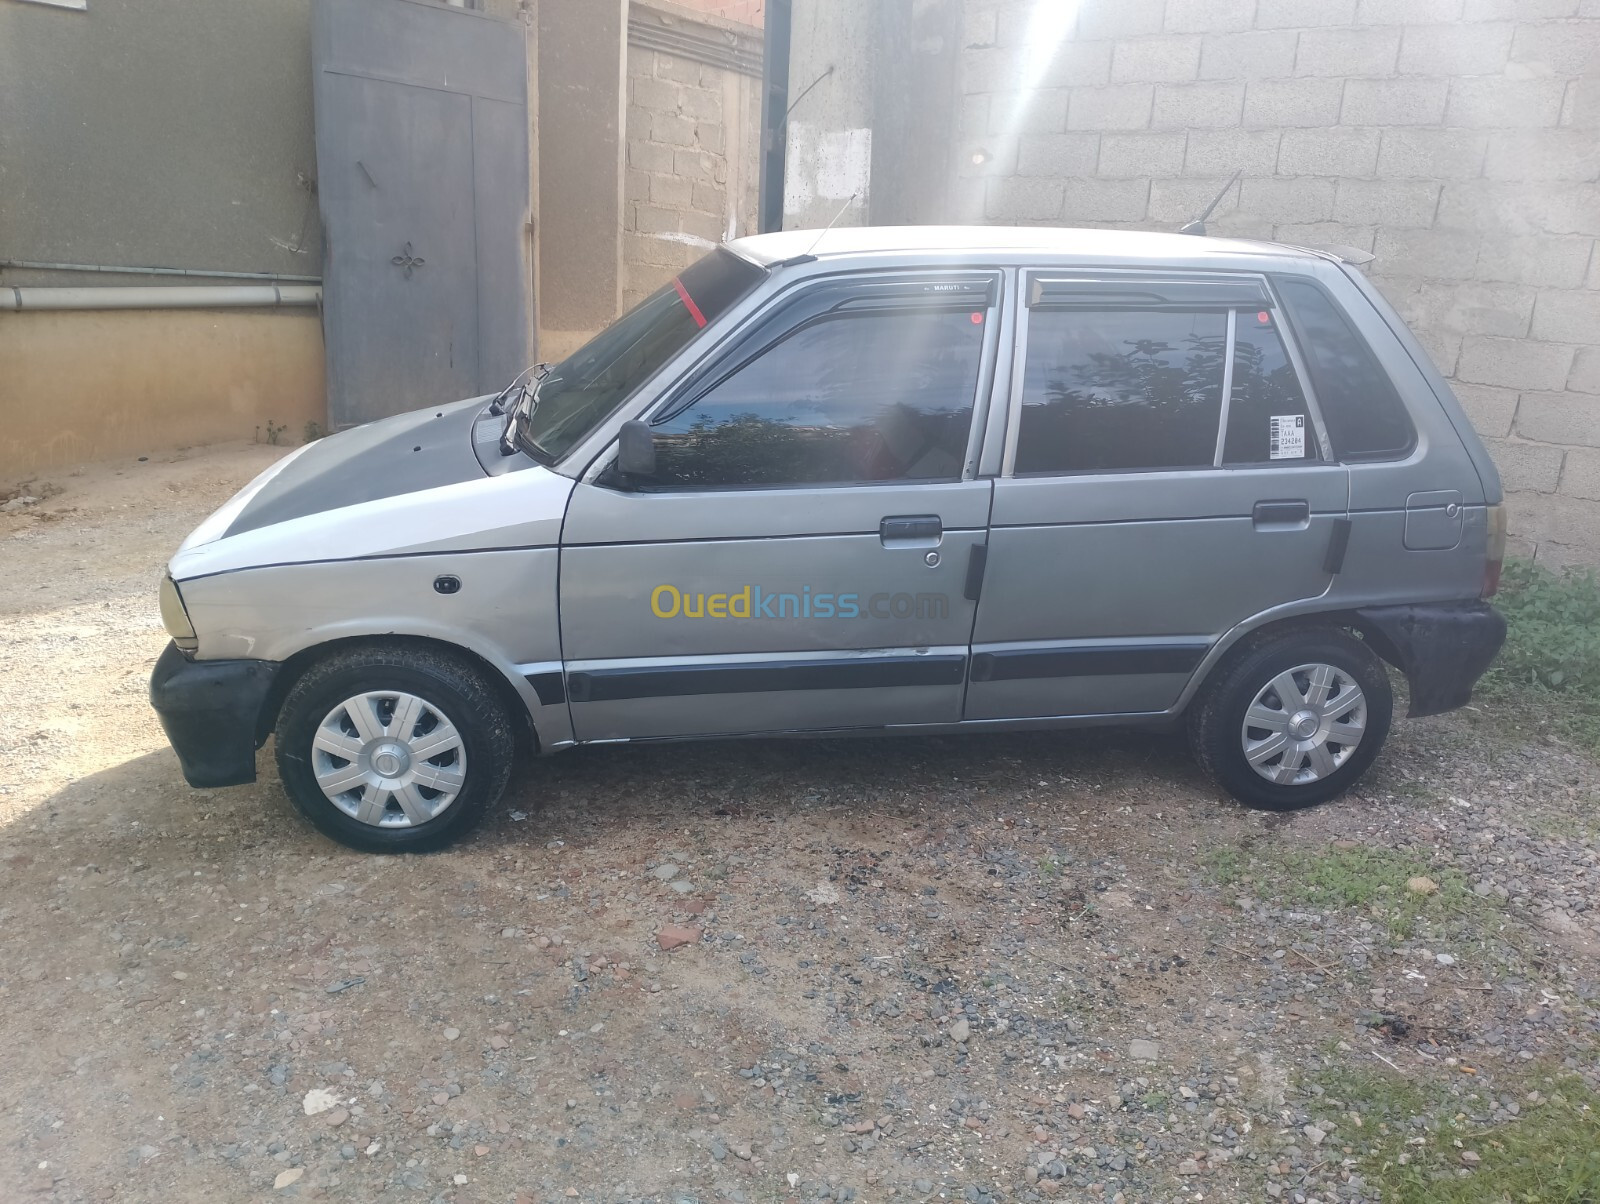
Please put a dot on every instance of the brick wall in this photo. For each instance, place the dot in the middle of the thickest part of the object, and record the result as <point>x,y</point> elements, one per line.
<point>690,181</point>
<point>1458,140</point>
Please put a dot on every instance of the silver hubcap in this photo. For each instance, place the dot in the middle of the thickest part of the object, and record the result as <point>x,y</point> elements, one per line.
<point>389,759</point>
<point>1304,724</point>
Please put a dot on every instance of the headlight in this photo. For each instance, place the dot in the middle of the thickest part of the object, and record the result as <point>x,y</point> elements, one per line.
<point>175,618</point>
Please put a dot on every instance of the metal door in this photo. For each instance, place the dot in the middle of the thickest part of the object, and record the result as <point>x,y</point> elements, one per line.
<point>783,610</point>
<point>423,181</point>
<point>693,610</point>
<point>1104,589</point>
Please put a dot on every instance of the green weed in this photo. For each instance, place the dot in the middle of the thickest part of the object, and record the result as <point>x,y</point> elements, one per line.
<point>1550,1154</point>
<point>1368,879</point>
<point>1374,879</point>
<point>1225,865</point>
<point>1551,660</point>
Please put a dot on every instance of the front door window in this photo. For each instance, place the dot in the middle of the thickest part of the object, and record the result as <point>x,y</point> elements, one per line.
<point>849,397</point>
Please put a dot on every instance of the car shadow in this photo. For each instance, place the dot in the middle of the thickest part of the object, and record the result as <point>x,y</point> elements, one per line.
<point>144,803</point>
<point>893,774</point>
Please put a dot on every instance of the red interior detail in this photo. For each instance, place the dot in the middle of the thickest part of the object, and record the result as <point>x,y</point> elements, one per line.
<point>688,302</point>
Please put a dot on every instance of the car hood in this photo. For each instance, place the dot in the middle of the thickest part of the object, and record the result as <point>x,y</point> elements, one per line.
<point>405,485</point>
<point>420,450</point>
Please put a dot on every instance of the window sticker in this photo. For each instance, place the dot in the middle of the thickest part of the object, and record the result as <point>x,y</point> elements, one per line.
<point>1286,440</point>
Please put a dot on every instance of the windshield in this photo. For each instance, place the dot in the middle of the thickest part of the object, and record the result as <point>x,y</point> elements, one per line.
<point>580,391</point>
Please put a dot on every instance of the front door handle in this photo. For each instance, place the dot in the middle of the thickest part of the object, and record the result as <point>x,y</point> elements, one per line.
<point>911,531</point>
<point>1280,514</point>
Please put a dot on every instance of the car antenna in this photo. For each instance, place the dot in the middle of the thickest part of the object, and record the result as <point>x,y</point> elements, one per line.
<point>1198,225</point>
<point>809,256</point>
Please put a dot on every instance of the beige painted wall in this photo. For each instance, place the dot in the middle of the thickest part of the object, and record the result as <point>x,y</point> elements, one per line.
<point>93,385</point>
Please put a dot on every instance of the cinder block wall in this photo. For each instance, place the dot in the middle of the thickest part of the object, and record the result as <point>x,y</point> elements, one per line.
<point>690,182</point>
<point>1458,140</point>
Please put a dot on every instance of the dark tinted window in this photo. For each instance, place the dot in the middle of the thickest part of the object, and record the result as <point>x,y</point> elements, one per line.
<point>591,382</point>
<point>1132,389</point>
<point>1268,422</point>
<point>1366,419</point>
<point>865,396</point>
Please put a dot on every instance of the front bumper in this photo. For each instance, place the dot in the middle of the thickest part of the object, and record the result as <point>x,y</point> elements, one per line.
<point>210,711</point>
<point>1441,647</point>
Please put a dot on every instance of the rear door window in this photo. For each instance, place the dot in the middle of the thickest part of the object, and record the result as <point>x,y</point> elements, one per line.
<point>1120,390</point>
<point>1365,417</point>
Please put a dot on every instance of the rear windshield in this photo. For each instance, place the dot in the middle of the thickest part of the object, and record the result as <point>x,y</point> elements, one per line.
<point>583,389</point>
<point>1365,417</point>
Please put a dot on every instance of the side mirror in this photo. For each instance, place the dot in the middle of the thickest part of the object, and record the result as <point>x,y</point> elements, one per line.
<point>636,449</point>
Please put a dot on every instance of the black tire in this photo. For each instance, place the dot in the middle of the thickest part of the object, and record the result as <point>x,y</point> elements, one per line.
<point>449,683</point>
<point>1216,720</point>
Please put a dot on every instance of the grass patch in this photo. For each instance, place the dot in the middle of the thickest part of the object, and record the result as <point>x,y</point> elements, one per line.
<point>1225,865</point>
<point>1550,1154</point>
<point>1551,660</point>
<point>1373,880</point>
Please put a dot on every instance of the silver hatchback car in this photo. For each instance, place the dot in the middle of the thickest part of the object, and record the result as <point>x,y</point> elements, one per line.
<point>916,480</point>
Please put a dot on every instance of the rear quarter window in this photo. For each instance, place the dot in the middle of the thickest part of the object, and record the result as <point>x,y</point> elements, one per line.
<point>1365,417</point>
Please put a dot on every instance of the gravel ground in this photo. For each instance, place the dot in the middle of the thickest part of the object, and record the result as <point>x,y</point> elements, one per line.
<point>986,969</point>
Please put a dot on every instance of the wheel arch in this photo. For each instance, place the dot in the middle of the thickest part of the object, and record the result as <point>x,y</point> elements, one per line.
<point>295,667</point>
<point>1270,625</point>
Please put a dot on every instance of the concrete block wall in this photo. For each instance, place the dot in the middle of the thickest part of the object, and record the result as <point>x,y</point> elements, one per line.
<point>1457,140</point>
<point>690,178</point>
<point>746,12</point>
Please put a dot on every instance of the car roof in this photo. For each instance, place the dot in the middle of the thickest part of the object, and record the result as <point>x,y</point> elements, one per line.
<point>1042,244</point>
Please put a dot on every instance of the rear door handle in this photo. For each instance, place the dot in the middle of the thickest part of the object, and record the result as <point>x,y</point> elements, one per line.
<point>1290,513</point>
<point>911,531</point>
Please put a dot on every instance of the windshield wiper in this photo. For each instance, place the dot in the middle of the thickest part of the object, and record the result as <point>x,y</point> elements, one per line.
<point>522,409</point>
<point>498,405</point>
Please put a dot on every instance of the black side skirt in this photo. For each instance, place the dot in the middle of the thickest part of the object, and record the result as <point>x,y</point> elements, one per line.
<point>754,677</point>
<point>1015,664</point>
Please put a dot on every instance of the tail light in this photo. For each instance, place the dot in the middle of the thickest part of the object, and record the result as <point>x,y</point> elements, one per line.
<point>1495,548</point>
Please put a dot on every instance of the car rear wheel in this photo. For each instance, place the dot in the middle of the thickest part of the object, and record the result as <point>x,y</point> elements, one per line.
<point>1293,718</point>
<point>394,749</point>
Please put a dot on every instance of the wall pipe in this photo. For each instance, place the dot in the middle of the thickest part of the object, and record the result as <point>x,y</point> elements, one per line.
<point>221,296</point>
<point>41,266</point>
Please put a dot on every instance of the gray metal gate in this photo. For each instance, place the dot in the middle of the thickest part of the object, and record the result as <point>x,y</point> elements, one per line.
<point>422,165</point>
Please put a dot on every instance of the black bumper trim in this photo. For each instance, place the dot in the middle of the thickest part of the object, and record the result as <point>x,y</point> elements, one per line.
<point>1441,647</point>
<point>209,710</point>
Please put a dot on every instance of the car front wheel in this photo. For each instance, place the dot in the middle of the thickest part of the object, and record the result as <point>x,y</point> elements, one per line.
<point>1293,718</point>
<point>394,749</point>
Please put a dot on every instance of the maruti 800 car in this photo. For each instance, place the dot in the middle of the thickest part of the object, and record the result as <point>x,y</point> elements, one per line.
<point>922,480</point>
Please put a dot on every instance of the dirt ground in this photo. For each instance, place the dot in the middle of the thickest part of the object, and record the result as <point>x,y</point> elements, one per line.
<point>988,969</point>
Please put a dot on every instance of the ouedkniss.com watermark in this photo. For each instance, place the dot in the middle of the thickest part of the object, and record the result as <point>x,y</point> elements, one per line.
<point>753,602</point>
